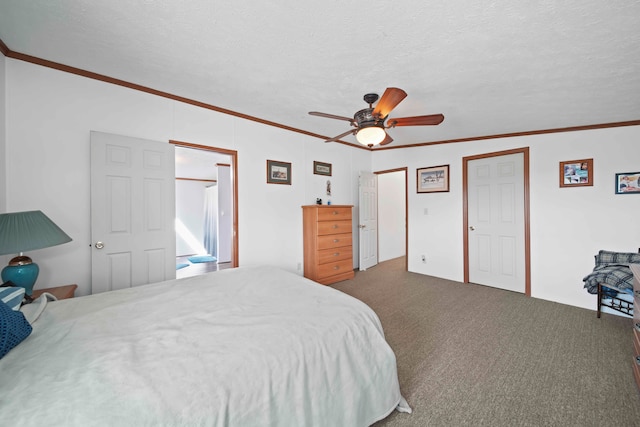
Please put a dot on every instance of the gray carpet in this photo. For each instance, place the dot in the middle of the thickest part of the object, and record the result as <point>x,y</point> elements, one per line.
<point>472,355</point>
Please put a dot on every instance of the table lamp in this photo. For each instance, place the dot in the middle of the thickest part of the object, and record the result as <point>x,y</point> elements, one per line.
<point>26,231</point>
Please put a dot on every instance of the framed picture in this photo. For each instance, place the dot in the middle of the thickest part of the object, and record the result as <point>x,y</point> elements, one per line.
<point>628,183</point>
<point>278,172</point>
<point>434,179</point>
<point>576,173</point>
<point>320,168</point>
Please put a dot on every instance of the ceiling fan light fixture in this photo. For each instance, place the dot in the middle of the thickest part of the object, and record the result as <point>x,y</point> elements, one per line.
<point>369,122</point>
<point>371,135</point>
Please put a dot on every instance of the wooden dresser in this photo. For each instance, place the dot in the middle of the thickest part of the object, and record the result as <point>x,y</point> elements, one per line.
<point>328,243</point>
<point>636,322</point>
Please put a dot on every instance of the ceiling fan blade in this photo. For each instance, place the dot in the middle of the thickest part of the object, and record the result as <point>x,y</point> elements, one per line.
<point>390,98</point>
<point>387,140</point>
<point>432,119</point>
<point>335,138</point>
<point>331,116</point>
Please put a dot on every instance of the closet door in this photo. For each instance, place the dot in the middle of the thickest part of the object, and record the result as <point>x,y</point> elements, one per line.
<point>496,223</point>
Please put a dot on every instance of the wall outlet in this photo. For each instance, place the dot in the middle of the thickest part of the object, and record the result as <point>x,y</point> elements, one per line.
<point>424,258</point>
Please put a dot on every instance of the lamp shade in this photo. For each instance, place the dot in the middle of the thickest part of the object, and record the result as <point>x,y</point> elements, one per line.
<point>27,231</point>
<point>371,135</point>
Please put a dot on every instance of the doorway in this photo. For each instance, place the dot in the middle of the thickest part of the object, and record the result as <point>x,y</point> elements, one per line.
<point>206,209</point>
<point>496,220</point>
<point>392,214</point>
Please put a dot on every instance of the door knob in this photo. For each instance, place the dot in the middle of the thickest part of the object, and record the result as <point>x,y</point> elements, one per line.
<point>99,245</point>
<point>472,228</point>
<point>362,226</point>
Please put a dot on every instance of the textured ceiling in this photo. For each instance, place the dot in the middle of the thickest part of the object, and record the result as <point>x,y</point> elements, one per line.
<point>490,67</point>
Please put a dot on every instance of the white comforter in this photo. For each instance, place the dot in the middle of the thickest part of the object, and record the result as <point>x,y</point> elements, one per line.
<point>242,347</point>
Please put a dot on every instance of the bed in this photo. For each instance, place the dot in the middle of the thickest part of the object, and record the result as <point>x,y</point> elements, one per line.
<point>252,346</point>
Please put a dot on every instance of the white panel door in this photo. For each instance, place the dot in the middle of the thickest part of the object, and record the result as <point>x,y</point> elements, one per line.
<point>132,212</point>
<point>368,220</point>
<point>496,222</point>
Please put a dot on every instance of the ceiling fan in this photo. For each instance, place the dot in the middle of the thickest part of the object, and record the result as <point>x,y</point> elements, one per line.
<point>369,122</point>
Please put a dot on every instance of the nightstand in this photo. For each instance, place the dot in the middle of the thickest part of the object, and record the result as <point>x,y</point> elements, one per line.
<point>60,292</point>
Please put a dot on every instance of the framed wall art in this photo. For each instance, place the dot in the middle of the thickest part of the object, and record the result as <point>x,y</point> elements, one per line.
<point>320,168</point>
<point>278,172</point>
<point>628,183</point>
<point>434,179</point>
<point>576,173</point>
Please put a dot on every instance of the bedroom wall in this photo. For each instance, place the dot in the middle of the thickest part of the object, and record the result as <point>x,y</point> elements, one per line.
<point>568,225</point>
<point>49,117</point>
<point>49,114</point>
<point>3,137</point>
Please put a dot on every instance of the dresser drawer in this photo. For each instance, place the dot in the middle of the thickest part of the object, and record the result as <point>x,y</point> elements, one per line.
<point>335,254</point>
<point>334,227</point>
<point>334,241</point>
<point>333,268</point>
<point>333,214</point>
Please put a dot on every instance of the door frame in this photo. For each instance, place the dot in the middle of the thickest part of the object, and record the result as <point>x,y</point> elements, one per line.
<point>235,262</point>
<point>465,212</point>
<point>406,212</point>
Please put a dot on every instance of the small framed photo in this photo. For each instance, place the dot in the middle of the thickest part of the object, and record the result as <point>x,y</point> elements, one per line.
<point>434,179</point>
<point>278,172</point>
<point>320,168</point>
<point>576,173</point>
<point>628,183</point>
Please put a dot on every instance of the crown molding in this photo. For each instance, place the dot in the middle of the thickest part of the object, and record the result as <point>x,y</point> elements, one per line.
<point>4,49</point>
<point>526,133</point>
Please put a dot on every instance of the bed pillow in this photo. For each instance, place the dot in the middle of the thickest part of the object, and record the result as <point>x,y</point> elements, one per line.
<point>14,328</point>
<point>621,258</point>
<point>12,296</point>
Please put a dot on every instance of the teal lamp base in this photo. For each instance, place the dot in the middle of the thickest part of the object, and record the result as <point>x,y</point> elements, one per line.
<point>22,272</point>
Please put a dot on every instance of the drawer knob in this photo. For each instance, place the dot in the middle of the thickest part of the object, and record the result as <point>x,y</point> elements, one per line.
<point>338,254</point>
<point>637,326</point>
<point>337,267</point>
<point>336,240</point>
<point>638,360</point>
<point>335,226</point>
<point>335,212</point>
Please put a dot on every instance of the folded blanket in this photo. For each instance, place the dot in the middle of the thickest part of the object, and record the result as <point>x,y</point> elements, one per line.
<point>614,275</point>
<point>612,269</point>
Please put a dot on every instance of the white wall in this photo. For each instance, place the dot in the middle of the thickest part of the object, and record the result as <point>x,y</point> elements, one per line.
<point>391,215</point>
<point>568,225</point>
<point>190,211</point>
<point>4,259</point>
<point>49,117</point>
<point>3,137</point>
